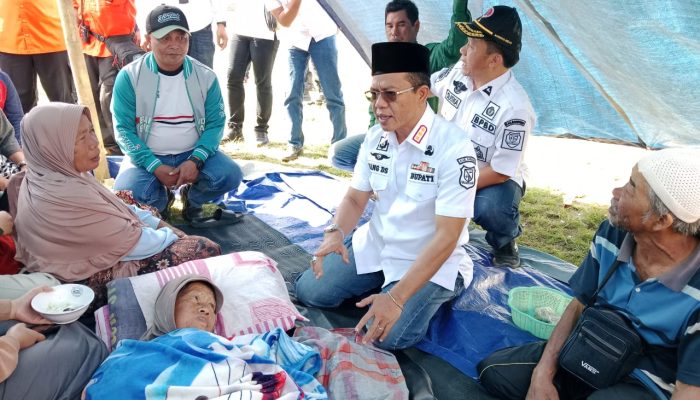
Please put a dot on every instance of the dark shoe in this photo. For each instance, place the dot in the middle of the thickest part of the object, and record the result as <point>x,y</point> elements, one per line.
<point>507,256</point>
<point>189,213</point>
<point>261,138</point>
<point>235,134</point>
<point>219,218</point>
<point>293,154</point>
<point>166,212</point>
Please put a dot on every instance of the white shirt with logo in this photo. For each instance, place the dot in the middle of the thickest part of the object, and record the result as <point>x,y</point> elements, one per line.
<point>312,22</point>
<point>433,172</point>
<point>248,19</point>
<point>498,117</point>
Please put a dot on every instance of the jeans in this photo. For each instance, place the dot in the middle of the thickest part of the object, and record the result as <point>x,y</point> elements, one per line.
<point>325,57</point>
<point>102,75</point>
<point>496,209</point>
<point>261,52</point>
<point>202,46</point>
<point>341,281</point>
<point>53,70</point>
<point>506,374</point>
<point>345,152</point>
<point>219,175</point>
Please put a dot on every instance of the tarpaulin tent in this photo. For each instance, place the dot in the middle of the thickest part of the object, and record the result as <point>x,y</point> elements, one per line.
<point>610,70</point>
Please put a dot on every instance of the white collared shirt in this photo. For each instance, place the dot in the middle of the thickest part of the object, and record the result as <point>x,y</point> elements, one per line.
<point>248,19</point>
<point>498,117</point>
<point>312,22</point>
<point>433,172</point>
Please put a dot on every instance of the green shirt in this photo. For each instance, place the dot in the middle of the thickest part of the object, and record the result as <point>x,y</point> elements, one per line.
<point>446,53</point>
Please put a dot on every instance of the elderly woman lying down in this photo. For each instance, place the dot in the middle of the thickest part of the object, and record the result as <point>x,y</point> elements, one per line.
<point>69,225</point>
<point>184,360</point>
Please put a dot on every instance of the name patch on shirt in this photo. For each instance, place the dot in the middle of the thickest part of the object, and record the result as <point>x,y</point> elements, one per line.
<point>481,123</point>
<point>378,168</point>
<point>513,140</point>
<point>467,169</point>
<point>491,110</point>
<point>452,99</point>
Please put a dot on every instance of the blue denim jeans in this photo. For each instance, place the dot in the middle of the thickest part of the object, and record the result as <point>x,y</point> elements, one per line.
<point>219,175</point>
<point>496,209</point>
<point>261,53</point>
<point>202,46</point>
<point>345,152</point>
<point>341,281</point>
<point>325,57</point>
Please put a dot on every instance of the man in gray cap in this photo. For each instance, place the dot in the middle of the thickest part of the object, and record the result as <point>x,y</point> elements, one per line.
<point>169,119</point>
<point>481,95</point>
<point>652,236</point>
<point>422,175</point>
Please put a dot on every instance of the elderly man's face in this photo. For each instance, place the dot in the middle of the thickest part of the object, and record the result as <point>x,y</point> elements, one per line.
<point>195,307</point>
<point>630,203</point>
<point>171,49</point>
<point>399,28</point>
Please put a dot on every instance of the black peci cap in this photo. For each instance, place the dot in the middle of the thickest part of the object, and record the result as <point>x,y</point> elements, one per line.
<point>391,57</point>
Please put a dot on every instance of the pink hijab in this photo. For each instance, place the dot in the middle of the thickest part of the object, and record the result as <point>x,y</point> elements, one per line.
<point>66,223</point>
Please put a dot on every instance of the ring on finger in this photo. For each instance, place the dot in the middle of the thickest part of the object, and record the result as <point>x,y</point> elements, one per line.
<point>381,328</point>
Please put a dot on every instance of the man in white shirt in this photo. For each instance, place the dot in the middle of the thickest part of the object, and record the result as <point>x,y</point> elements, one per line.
<point>481,95</point>
<point>254,40</point>
<point>312,35</point>
<point>422,174</point>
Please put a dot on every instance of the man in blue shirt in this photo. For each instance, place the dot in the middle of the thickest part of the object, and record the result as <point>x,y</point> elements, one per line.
<point>653,230</point>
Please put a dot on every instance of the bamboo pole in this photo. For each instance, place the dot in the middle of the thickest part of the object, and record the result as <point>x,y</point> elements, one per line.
<point>81,78</point>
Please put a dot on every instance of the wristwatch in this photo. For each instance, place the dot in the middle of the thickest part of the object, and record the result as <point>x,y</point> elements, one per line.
<point>332,228</point>
<point>197,162</point>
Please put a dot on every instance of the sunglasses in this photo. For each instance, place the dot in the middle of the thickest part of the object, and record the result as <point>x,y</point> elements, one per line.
<point>387,95</point>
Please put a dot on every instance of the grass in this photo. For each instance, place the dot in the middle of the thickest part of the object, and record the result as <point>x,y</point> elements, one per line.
<point>548,225</point>
<point>551,227</point>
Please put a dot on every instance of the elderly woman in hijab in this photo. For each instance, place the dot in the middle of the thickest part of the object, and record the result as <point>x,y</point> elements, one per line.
<point>67,224</point>
<point>190,301</point>
<point>181,356</point>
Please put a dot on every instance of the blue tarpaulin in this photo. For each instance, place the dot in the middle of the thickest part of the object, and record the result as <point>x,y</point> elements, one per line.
<point>611,70</point>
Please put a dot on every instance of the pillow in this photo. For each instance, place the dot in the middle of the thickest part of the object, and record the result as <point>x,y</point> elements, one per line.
<point>255,297</point>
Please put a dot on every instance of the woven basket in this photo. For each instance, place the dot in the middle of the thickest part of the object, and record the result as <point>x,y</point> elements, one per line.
<point>524,300</point>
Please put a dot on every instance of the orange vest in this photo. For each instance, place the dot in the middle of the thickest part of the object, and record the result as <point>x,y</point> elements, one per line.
<point>30,27</point>
<point>106,18</point>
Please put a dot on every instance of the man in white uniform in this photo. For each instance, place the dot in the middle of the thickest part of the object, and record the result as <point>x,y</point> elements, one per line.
<point>422,173</point>
<point>481,95</point>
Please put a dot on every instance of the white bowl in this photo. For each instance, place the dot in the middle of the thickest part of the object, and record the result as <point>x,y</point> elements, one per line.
<point>64,304</point>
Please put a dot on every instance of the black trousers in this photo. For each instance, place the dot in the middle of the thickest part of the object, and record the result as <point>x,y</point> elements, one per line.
<point>102,75</point>
<point>53,70</point>
<point>507,372</point>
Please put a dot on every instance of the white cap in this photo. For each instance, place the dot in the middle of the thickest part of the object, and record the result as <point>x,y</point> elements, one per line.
<point>674,175</point>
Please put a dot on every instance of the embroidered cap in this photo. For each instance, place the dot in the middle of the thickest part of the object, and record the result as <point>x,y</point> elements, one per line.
<point>500,24</point>
<point>673,175</point>
<point>165,19</point>
<point>390,57</point>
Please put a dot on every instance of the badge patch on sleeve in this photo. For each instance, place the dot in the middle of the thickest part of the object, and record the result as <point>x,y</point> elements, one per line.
<point>467,169</point>
<point>491,110</point>
<point>482,152</point>
<point>513,140</point>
